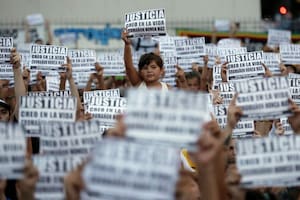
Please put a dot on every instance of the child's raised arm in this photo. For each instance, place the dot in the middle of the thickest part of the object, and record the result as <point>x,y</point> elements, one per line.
<point>131,72</point>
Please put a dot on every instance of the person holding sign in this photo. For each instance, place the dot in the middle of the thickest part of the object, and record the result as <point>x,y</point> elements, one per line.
<point>151,68</point>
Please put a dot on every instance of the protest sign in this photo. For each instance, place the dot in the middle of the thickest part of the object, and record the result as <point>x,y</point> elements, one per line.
<point>227,91</point>
<point>146,23</point>
<point>174,117</point>
<point>61,138</point>
<point>130,170</point>
<point>83,60</point>
<point>112,63</point>
<point>12,151</point>
<point>6,44</point>
<point>245,66</point>
<point>52,169</point>
<point>47,58</point>
<point>166,44</point>
<point>290,53</point>
<point>24,51</point>
<point>217,79</point>
<point>100,93</point>
<point>170,62</point>
<point>222,52</point>
<point>269,161</point>
<point>272,61</point>
<point>106,109</point>
<point>286,126</point>
<point>35,19</point>
<point>34,109</point>
<point>68,39</point>
<point>244,128</point>
<point>190,47</point>
<point>229,42</point>
<point>222,24</point>
<point>277,37</point>
<point>294,84</point>
<point>61,93</point>
<point>265,98</point>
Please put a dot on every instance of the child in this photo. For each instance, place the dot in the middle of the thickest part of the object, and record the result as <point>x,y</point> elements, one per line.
<point>150,68</point>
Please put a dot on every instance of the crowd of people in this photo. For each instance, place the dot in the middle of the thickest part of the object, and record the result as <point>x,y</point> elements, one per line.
<point>210,173</point>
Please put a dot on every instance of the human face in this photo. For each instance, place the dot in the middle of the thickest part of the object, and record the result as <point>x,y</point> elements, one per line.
<point>193,84</point>
<point>151,73</point>
<point>4,114</point>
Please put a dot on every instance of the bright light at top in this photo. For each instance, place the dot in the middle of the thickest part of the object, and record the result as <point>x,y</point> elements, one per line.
<point>283,10</point>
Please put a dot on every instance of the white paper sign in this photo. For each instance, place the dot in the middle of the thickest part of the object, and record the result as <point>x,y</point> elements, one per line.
<point>269,161</point>
<point>126,170</point>
<point>227,91</point>
<point>52,170</point>
<point>277,37</point>
<point>244,128</point>
<point>113,63</point>
<point>12,151</point>
<point>272,61</point>
<point>106,109</point>
<point>222,25</point>
<point>190,47</point>
<point>166,44</point>
<point>290,53</point>
<point>170,62</point>
<point>35,19</point>
<point>229,42</point>
<point>286,126</point>
<point>245,66</point>
<point>174,117</point>
<point>34,109</point>
<point>60,138</point>
<point>146,23</point>
<point>294,84</point>
<point>83,60</point>
<point>61,93</point>
<point>47,58</point>
<point>6,44</point>
<point>100,93</point>
<point>225,51</point>
<point>265,98</point>
<point>24,51</point>
<point>217,79</point>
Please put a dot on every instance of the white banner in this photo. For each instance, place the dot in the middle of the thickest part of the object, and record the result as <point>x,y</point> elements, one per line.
<point>47,58</point>
<point>52,170</point>
<point>263,98</point>
<point>277,37</point>
<point>225,51</point>
<point>146,23</point>
<point>269,161</point>
<point>245,66</point>
<point>113,63</point>
<point>294,84</point>
<point>6,72</point>
<point>34,109</point>
<point>83,60</point>
<point>174,117</point>
<point>272,61</point>
<point>126,170</point>
<point>76,139</point>
<point>12,151</point>
<point>290,53</point>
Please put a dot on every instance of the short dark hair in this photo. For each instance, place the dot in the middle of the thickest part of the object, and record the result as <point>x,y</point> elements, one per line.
<point>147,58</point>
<point>190,75</point>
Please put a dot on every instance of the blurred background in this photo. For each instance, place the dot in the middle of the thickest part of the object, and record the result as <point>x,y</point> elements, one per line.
<point>97,24</point>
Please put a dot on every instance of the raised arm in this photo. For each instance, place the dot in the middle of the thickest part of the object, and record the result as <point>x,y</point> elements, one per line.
<point>131,72</point>
<point>20,89</point>
<point>49,33</point>
<point>204,75</point>
<point>73,87</point>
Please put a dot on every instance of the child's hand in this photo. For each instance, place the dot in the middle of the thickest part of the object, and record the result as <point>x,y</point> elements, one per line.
<point>125,38</point>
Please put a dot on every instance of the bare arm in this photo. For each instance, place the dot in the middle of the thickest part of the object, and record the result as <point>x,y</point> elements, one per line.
<point>99,75</point>
<point>20,89</point>
<point>131,72</point>
<point>204,75</point>
<point>73,87</point>
<point>49,33</point>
